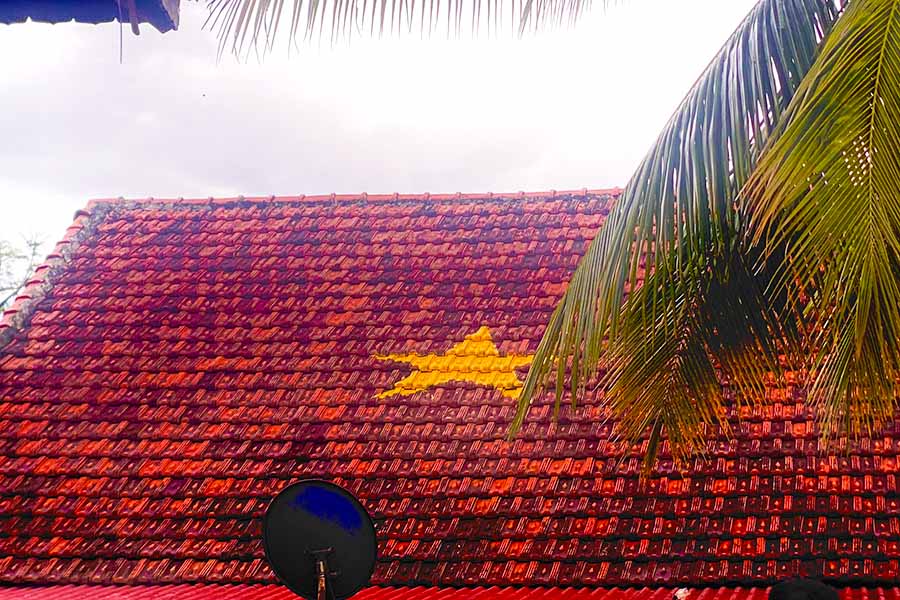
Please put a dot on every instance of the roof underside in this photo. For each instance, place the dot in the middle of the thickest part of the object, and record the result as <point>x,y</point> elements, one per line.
<point>162,14</point>
<point>181,362</point>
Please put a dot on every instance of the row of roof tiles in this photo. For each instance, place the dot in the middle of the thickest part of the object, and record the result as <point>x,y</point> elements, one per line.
<point>375,489</point>
<point>638,515</point>
<point>562,475</point>
<point>125,570</point>
<point>241,543</point>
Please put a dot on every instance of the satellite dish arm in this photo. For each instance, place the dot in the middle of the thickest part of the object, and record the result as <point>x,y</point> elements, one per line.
<point>322,572</point>
<point>322,576</point>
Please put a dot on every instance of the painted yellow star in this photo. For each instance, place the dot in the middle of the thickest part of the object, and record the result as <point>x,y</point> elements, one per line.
<point>475,360</point>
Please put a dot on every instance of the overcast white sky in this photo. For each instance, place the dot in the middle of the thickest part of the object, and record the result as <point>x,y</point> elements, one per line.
<point>564,109</point>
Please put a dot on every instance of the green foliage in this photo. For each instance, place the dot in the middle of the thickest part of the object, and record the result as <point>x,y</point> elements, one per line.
<point>243,25</point>
<point>826,194</point>
<point>702,311</point>
<point>17,263</point>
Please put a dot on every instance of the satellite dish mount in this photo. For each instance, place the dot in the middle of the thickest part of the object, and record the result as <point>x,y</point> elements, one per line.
<point>323,573</point>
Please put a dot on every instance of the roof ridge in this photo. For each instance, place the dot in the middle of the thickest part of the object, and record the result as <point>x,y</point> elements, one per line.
<point>393,197</point>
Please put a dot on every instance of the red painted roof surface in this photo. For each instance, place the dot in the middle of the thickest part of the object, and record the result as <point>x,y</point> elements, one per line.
<point>178,363</point>
<point>277,592</point>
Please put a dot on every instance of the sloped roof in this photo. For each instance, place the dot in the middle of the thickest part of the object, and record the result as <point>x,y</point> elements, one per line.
<point>278,592</point>
<point>177,363</point>
<point>162,14</point>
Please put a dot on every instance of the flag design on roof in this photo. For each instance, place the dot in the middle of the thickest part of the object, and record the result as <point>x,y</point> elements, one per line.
<point>474,360</point>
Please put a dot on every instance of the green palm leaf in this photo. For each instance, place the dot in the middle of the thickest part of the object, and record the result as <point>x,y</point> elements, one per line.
<point>247,24</point>
<point>677,221</point>
<point>827,192</point>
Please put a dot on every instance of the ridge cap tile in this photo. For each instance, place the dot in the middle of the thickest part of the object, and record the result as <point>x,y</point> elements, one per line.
<point>349,197</point>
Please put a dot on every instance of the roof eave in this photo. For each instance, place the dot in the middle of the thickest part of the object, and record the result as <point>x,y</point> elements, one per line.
<point>161,14</point>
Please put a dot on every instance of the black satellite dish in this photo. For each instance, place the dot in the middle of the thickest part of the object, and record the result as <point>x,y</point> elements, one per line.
<point>319,540</point>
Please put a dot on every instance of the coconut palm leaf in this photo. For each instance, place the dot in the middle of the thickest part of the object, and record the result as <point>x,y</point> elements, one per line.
<point>678,334</point>
<point>253,24</point>
<point>660,377</point>
<point>677,224</point>
<point>827,190</point>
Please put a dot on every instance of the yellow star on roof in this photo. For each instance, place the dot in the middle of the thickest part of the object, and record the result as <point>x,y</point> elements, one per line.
<point>475,360</point>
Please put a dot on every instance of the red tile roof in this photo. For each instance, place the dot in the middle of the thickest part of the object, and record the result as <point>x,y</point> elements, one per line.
<point>179,362</point>
<point>277,592</point>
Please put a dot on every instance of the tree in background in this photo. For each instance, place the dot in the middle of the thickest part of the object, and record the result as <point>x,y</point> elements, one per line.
<point>761,232</point>
<point>17,263</point>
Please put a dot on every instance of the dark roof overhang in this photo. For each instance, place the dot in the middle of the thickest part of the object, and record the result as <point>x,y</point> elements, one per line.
<point>161,14</point>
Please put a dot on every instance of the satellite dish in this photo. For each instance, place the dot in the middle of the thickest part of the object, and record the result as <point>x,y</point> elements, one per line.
<point>319,540</point>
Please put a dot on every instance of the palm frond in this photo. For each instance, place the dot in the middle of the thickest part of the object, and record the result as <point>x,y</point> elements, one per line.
<point>680,334</point>
<point>676,222</point>
<point>244,25</point>
<point>658,371</point>
<point>827,191</point>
